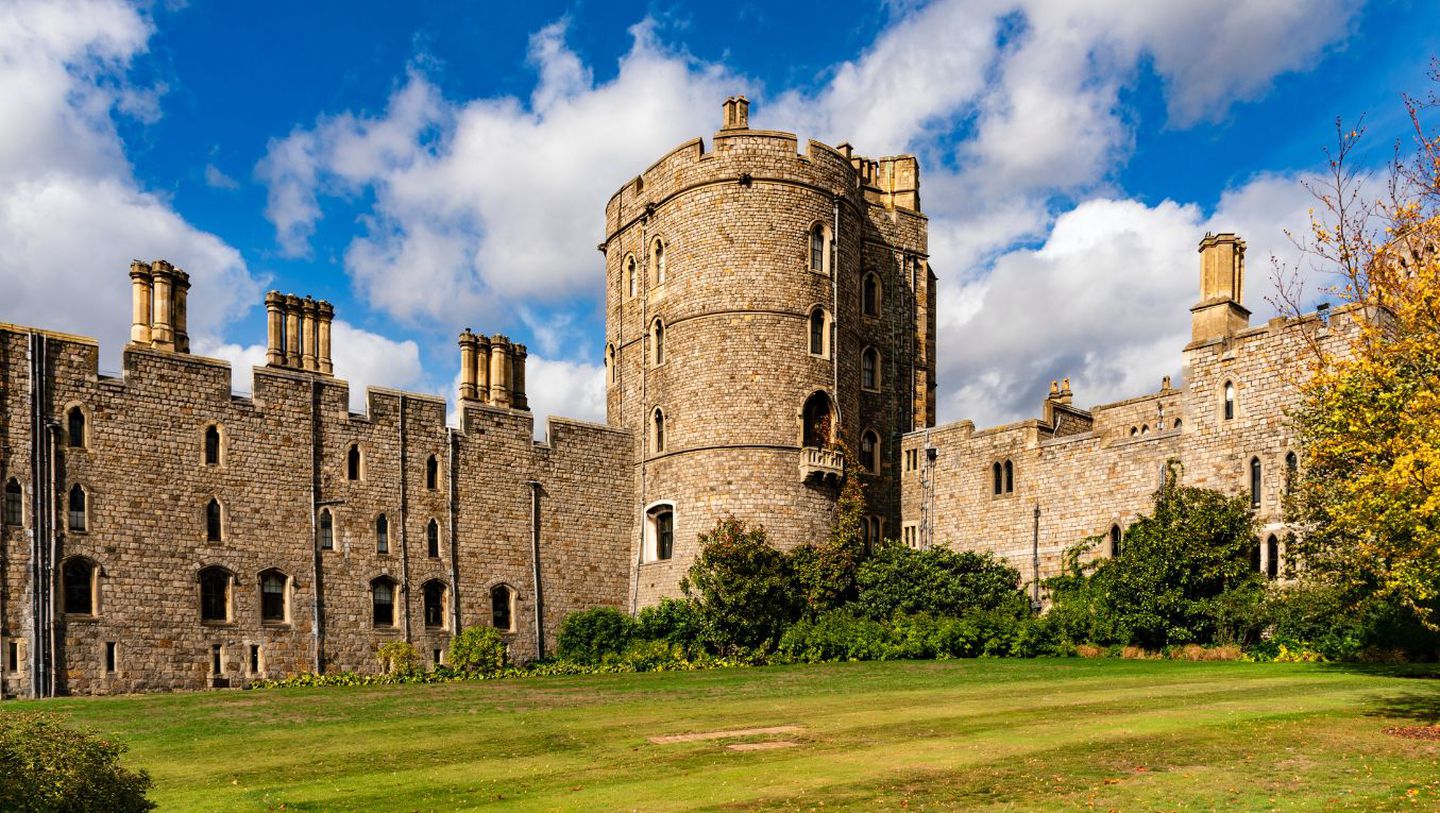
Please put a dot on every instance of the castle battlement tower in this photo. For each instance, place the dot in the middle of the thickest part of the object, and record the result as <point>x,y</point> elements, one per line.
<point>762,307</point>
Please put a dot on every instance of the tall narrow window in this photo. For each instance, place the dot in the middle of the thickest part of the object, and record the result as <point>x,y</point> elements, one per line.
<point>77,584</point>
<point>1009,477</point>
<point>665,534</point>
<point>1115,541</point>
<point>432,473</point>
<point>353,462</point>
<point>75,428</point>
<point>382,602</point>
<point>1254,482</point>
<point>658,434</point>
<point>630,275</point>
<point>215,594</point>
<point>272,595</point>
<point>502,614</point>
<point>14,503</point>
<point>432,539</point>
<point>1229,405</point>
<point>870,295</point>
<point>870,451</point>
<point>434,603</point>
<point>817,248</point>
<point>78,514</point>
<point>612,374</point>
<point>1272,556</point>
<point>997,472</point>
<point>212,445</point>
<point>327,530</point>
<point>382,534</point>
<point>817,332</point>
<point>1255,554</point>
<point>212,521</point>
<point>657,342</point>
<point>816,422</point>
<point>254,659</point>
<point>110,658</point>
<point>657,258</point>
<point>870,369</point>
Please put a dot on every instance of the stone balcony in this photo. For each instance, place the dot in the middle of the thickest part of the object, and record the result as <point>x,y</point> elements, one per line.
<point>821,463</point>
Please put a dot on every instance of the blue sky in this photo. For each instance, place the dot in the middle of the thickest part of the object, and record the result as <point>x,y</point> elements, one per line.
<point>433,166</point>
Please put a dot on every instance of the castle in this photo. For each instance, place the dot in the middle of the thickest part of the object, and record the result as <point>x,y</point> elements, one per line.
<point>762,305</point>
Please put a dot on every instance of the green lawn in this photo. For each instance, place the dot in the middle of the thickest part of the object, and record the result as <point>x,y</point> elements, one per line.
<point>976,734</point>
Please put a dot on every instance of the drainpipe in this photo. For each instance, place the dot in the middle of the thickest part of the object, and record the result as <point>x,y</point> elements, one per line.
<point>450,443</point>
<point>317,602</point>
<point>404,524</point>
<point>1035,561</point>
<point>535,560</point>
<point>42,508</point>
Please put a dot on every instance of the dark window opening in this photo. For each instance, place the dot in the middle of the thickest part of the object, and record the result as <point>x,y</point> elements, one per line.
<point>382,595</point>
<point>327,530</point>
<point>1254,482</point>
<point>78,577</point>
<point>352,463</point>
<point>215,660</point>
<point>14,503</point>
<point>1009,477</point>
<point>659,341</point>
<point>382,534</point>
<point>1115,541</point>
<point>254,659</point>
<point>665,534</point>
<point>212,446</point>
<point>212,520</point>
<point>870,452</point>
<point>870,295</point>
<point>500,601</point>
<point>659,431</point>
<point>75,428</point>
<point>998,474</point>
<point>432,473</point>
<point>434,604</point>
<point>1272,551</point>
<point>870,369</point>
<point>110,657</point>
<point>432,539</point>
<point>77,508</point>
<point>214,595</point>
<point>817,248</point>
<point>817,332</point>
<point>272,596</point>
<point>1229,400</point>
<point>13,656</point>
<point>817,421</point>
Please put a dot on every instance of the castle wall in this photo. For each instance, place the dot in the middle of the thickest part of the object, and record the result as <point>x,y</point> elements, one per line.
<point>1084,483</point>
<point>148,485</point>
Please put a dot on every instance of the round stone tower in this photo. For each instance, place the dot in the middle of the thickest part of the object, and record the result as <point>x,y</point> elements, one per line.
<point>769,332</point>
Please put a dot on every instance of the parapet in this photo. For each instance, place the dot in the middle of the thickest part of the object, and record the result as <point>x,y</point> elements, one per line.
<point>492,371</point>
<point>892,181</point>
<point>158,304</point>
<point>298,333</point>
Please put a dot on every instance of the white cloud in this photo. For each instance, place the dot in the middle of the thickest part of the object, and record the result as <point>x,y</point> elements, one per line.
<point>483,203</point>
<point>216,179</point>
<point>565,389</point>
<point>71,214</point>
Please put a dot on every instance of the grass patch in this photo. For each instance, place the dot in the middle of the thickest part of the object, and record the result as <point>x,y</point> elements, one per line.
<point>1077,734</point>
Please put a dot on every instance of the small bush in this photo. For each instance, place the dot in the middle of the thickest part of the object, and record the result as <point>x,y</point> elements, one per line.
<point>398,658</point>
<point>46,766</point>
<point>676,621</point>
<point>836,636</point>
<point>743,586</point>
<point>588,636</point>
<point>902,581</point>
<point>477,650</point>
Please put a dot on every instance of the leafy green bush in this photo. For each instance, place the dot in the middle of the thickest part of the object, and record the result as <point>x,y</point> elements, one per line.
<point>588,636</point>
<point>46,766</point>
<point>743,587</point>
<point>678,622</point>
<point>398,658</point>
<point>477,650</point>
<point>1184,577</point>
<point>825,570</point>
<point>838,635</point>
<point>902,581</point>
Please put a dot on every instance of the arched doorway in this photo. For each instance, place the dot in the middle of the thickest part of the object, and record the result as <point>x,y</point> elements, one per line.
<point>818,418</point>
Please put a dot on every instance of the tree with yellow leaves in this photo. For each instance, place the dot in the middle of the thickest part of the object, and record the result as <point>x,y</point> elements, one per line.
<point>1366,498</point>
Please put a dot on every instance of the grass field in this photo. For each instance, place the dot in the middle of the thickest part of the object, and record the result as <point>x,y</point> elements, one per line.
<point>980,734</point>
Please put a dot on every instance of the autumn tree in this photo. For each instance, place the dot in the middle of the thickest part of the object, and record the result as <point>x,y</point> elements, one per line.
<point>1366,498</point>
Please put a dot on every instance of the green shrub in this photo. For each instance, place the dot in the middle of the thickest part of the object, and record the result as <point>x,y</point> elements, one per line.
<point>46,766</point>
<point>1184,576</point>
<point>743,587</point>
<point>649,656</point>
<point>398,658</point>
<point>676,621</point>
<point>838,635</point>
<point>588,636</point>
<point>477,650</point>
<point>902,581</point>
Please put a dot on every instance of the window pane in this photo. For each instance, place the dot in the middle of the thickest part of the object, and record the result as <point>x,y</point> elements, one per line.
<point>500,607</point>
<point>14,510</point>
<point>664,535</point>
<point>272,597</point>
<point>384,603</point>
<point>212,446</point>
<point>79,595</point>
<point>214,601</point>
<point>327,531</point>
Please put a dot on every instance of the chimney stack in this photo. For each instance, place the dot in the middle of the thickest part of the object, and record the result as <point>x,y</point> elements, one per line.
<point>179,293</point>
<point>737,113</point>
<point>325,314</point>
<point>275,329</point>
<point>297,333</point>
<point>309,335</point>
<point>468,346</point>
<point>141,296</point>
<point>1219,314</point>
<point>293,305</point>
<point>492,371</point>
<point>162,331</point>
<point>517,378</point>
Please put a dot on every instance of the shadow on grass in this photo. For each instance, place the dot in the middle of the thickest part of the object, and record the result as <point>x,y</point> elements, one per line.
<point>1423,708</point>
